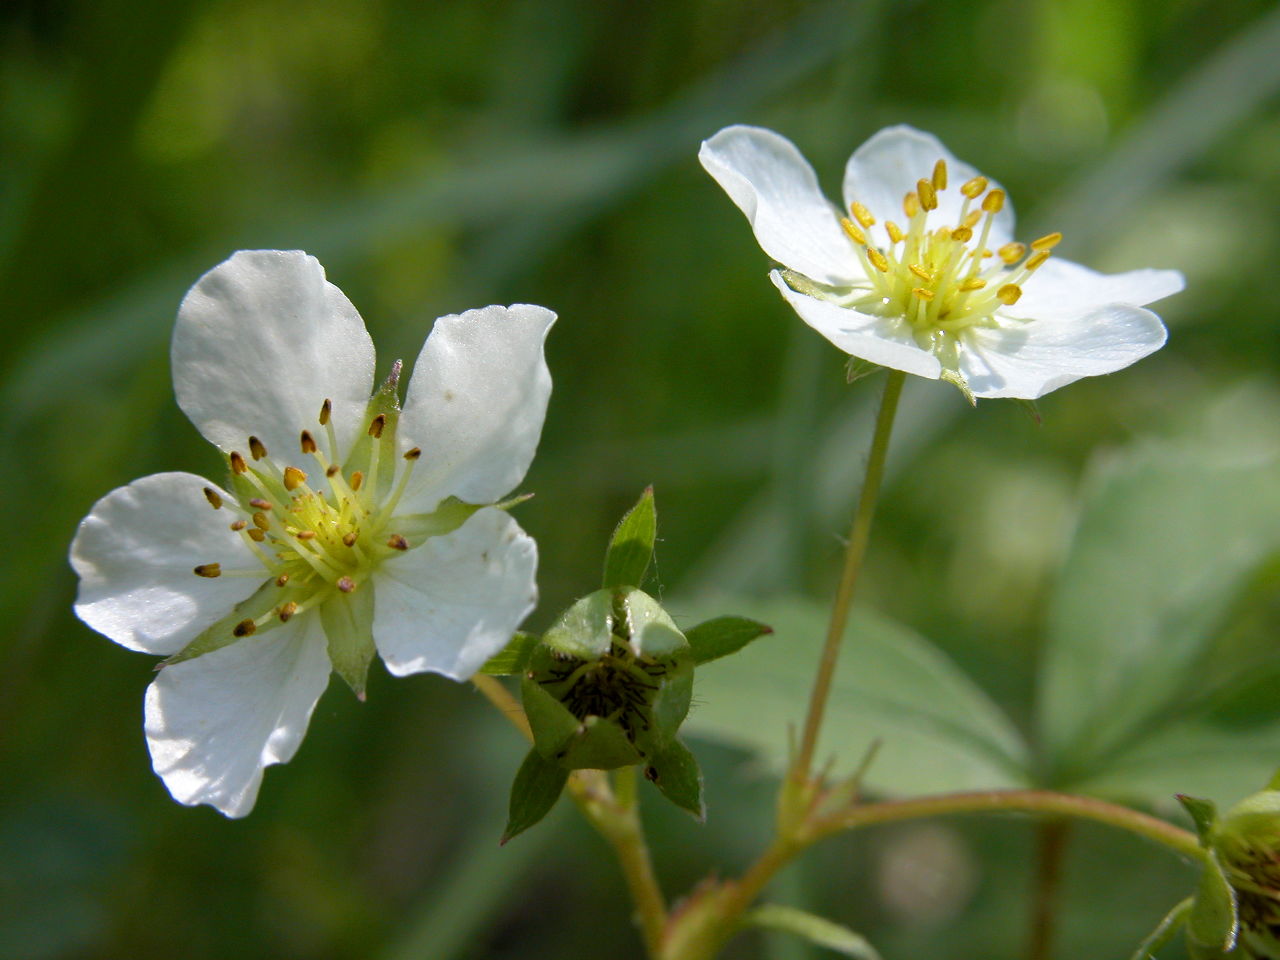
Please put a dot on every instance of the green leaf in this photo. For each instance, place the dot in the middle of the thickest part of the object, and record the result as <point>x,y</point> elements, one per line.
<point>1165,547</point>
<point>631,547</point>
<point>722,636</point>
<point>512,658</point>
<point>939,731</point>
<point>1212,920</point>
<point>817,930</point>
<point>674,771</point>
<point>537,787</point>
<point>1164,931</point>
<point>1204,813</point>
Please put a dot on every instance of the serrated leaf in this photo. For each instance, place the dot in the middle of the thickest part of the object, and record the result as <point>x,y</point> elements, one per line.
<point>817,930</point>
<point>722,636</point>
<point>1164,931</point>
<point>674,771</point>
<point>513,658</point>
<point>1212,920</point>
<point>631,547</point>
<point>1204,814</point>
<point>537,787</point>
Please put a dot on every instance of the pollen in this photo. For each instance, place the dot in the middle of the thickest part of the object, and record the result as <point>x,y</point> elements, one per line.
<point>346,584</point>
<point>397,542</point>
<point>326,411</point>
<point>879,260</point>
<point>1009,294</point>
<point>928,196</point>
<point>287,610</point>
<point>1011,253</point>
<point>213,497</point>
<point>260,503</point>
<point>357,480</point>
<point>1036,260</point>
<point>1047,242</point>
<point>940,175</point>
<point>413,454</point>
<point>377,424</point>
<point>256,449</point>
<point>852,232</point>
<point>895,232</point>
<point>293,478</point>
<point>244,628</point>
<point>308,442</point>
<point>911,205</point>
<point>209,570</point>
<point>974,188</point>
<point>861,214</point>
<point>993,202</point>
<point>237,463</point>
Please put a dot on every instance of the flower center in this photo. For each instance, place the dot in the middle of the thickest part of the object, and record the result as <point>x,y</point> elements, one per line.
<point>314,539</point>
<point>941,278</point>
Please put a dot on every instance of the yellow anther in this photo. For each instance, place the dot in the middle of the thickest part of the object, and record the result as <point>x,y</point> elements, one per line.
<point>308,442</point>
<point>973,283</point>
<point>895,232</point>
<point>376,425</point>
<point>287,610</point>
<point>357,479</point>
<point>413,454</point>
<point>209,570</point>
<point>332,470</point>
<point>1047,242</point>
<point>305,534</point>
<point>212,496</point>
<point>397,542</point>
<point>349,539</point>
<point>974,188</point>
<point>260,503</point>
<point>921,272</point>
<point>923,294</point>
<point>910,205</point>
<point>861,214</point>
<point>963,234</point>
<point>878,260</point>
<point>1036,260</point>
<point>1011,253</point>
<point>1009,294</point>
<point>852,232</point>
<point>239,525</point>
<point>971,219</point>
<point>993,202</point>
<point>326,409</point>
<point>237,463</point>
<point>943,233</point>
<point>293,478</point>
<point>928,196</point>
<point>256,535</point>
<point>261,522</point>
<point>346,584</point>
<point>940,175</point>
<point>256,449</point>
<point>282,580</point>
<point>244,628</point>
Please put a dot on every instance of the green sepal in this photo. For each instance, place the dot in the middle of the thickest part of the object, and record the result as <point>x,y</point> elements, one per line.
<point>1212,922</point>
<point>348,630</point>
<point>1204,814</point>
<point>674,770</point>
<point>954,378</point>
<point>856,369</point>
<point>670,703</point>
<point>650,629</point>
<point>817,930</point>
<point>572,744</point>
<point>585,630</point>
<point>722,636</point>
<point>1274,782</point>
<point>1164,931</point>
<point>448,516</point>
<point>218,635</point>
<point>513,658</point>
<point>1033,411</point>
<point>537,787</point>
<point>631,547</point>
<point>386,403</point>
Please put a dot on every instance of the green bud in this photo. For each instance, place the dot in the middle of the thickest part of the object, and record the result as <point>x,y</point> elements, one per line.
<point>1247,843</point>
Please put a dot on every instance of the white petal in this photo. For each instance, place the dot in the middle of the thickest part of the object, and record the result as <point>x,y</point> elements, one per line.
<point>475,404</point>
<point>214,723</point>
<point>452,603</point>
<point>886,168</point>
<point>262,340</point>
<point>135,553</point>
<point>773,184</point>
<point>1028,359</point>
<point>1061,289</point>
<point>881,340</point>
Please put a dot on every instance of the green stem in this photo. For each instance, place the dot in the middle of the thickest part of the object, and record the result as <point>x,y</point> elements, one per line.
<point>1051,847</point>
<point>859,534</point>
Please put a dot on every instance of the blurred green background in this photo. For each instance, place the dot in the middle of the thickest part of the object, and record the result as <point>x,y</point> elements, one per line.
<point>442,155</point>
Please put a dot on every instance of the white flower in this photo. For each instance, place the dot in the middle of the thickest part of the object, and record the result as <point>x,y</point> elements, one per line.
<point>346,524</point>
<point>923,274</point>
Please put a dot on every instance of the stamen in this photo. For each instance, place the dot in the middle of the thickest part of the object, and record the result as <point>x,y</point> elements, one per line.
<point>357,479</point>
<point>260,521</point>
<point>349,539</point>
<point>326,409</point>
<point>237,463</point>
<point>287,611</point>
<point>413,454</point>
<point>256,535</point>
<point>1009,294</point>
<point>293,478</point>
<point>940,175</point>
<point>974,188</point>
<point>923,294</point>
<point>239,524</point>
<point>971,219</point>
<point>376,425</point>
<point>244,628</point>
<point>895,232</point>
<point>397,542</point>
<point>346,584</point>
<point>963,234</point>
<point>921,272</point>
<point>878,258</point>
<point>256,448</point>
<point>260,503</point>
<point>1047,242</point>
<point>211,495</point>
<point>973,283</point>
<point>308,442</point>
<point>993,202</point>
<point>861,214</point>
<point>1036,260</point>
<point>332,470</point>
<point>1011,253</point>
<point>910,205</point>
<point>209,570</point>
<point>853,233</point>
<point>282,580</point>
<point>305,534</point>
<point>928,196</point>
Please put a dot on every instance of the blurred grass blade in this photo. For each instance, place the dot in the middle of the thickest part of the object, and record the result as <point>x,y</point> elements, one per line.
<point>817,930</point>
